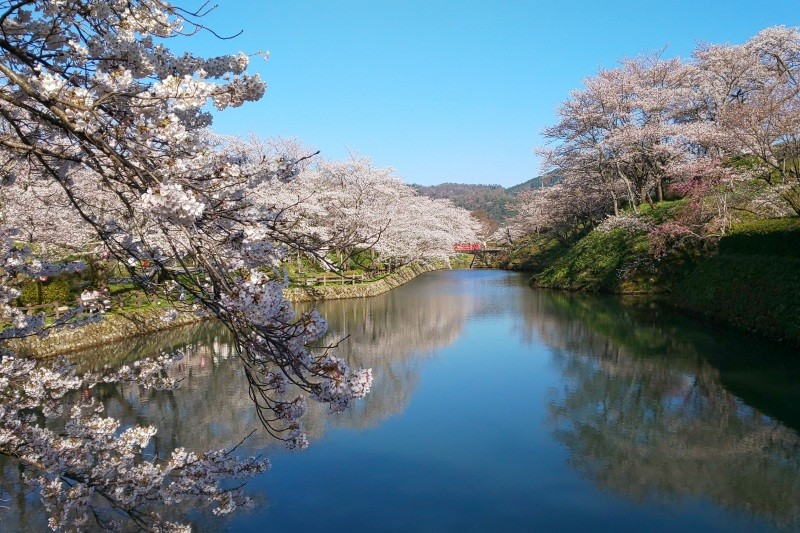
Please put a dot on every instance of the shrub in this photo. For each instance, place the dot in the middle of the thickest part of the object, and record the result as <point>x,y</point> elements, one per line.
<point>35,292</point>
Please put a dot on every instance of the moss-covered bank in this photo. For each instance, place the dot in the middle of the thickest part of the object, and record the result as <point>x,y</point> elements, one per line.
<point>751,282</point>
<point>618,260</point>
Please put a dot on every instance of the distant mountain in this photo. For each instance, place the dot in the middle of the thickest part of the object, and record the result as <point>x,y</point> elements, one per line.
<point>533,183</point>
<point>545,180</point>
<point>491,203</point>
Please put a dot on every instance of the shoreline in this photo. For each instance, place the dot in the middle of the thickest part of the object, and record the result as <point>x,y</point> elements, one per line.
<point>119,327</point>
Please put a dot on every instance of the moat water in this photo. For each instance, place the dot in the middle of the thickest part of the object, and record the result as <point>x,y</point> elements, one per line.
<point>496,407</point>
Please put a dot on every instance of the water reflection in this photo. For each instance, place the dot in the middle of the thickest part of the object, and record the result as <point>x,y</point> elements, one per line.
<point>673,435</point>
<point>211,409</point>
<point>389,333</point>
<point>642,411</point>
<point>645,403</point>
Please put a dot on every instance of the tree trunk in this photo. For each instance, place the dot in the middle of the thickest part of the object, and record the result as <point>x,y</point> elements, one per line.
<point>629,187</point>
<point>616,202</point>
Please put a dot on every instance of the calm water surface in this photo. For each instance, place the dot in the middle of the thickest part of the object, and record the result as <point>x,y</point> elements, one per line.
<point>499,407</point>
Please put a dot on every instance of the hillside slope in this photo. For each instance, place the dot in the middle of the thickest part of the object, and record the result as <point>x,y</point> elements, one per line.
<point>491,202</point>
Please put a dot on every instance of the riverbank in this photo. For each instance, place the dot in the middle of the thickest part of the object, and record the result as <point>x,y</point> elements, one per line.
<point>362,290</point>
<point>119,326</point>
<point>749,282</point>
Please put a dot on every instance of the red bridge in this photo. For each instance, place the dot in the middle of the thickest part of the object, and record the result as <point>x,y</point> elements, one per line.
<point>467,247</point>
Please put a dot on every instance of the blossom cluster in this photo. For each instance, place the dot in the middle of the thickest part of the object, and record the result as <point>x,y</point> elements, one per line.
<point>96,469</point>
<point>343,384</point>
<point>257,298</point>
<point>106,153</point>
<point>173,203</point>
<point>627,224</point>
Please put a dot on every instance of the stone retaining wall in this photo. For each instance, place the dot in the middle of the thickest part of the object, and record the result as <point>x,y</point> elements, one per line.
<point>116,327</point>
<point>361,290</point>
<point>113,327</point>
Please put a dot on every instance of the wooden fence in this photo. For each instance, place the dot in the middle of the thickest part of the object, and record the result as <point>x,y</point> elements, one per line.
<point>55,309</point>
<point>336,280</point>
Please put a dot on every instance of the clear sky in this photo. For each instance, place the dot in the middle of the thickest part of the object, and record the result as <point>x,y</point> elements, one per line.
<point>449,90</point>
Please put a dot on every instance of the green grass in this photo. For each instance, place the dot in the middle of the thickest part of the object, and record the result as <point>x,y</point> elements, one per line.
<point>613,261</point>
<point>534,255</point>
<point>775,237</point>
<point>662,211</point>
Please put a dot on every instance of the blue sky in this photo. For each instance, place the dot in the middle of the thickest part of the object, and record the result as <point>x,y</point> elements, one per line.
<point>449,90</point>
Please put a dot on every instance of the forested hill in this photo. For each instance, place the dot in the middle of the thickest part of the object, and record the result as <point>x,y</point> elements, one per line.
<point>533,183</point>
<point>492,202</point>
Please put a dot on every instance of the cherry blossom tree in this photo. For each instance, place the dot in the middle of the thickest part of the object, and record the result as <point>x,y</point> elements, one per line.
<point>424,228</point>
<point>755,91</point>
<point>354,205</point>
<point>561,211</point>
<point>624,129</point>
<point>577,146</point>
<point>711,129</point>
<point>92,99</point>
<point>351,203</point>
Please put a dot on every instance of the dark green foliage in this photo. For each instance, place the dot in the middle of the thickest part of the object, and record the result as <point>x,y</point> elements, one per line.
<point>545,180</point>
<point>752,283</point>
<point>35,292</point>
<point>754,292</point>
<point>776,237</point>
<point>531,184</point>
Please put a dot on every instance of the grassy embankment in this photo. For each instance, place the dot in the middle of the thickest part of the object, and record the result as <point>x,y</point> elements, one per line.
<point>750,282</point>
<point>615,261</point>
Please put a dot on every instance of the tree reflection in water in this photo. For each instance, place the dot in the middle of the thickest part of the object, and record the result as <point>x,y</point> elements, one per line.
<point>646,403</point>
<point>211,409</point>
<point>642,412</point>
<point>382,333</point>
